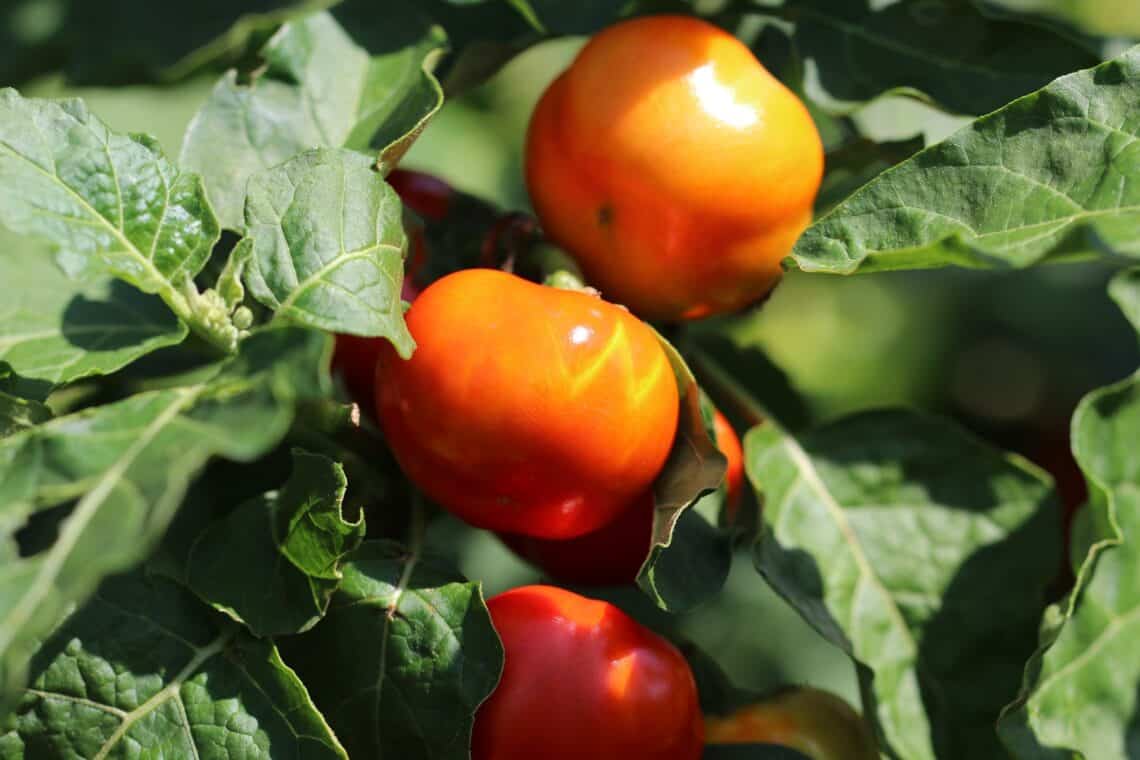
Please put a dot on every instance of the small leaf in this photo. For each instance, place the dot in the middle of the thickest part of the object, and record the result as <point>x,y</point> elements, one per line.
<point>1056,173</point>
<point>897,536</point>
<point>403,658</point>
<point>19,414</point>
<point>328,246</point>
<point>1079,697</point>
<point>318,89</point>
<point>120,472</point>
<point>144,670</point>
<point>689,558</point>
<point>946,51</point>
<point>1125,290</point>
<point>274,562</point>
<point>54,330</point>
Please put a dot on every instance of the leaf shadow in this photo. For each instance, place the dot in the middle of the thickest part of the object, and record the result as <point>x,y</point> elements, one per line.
<point>126,317</point>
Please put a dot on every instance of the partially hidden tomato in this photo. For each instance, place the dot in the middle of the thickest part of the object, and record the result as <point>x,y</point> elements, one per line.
<point>815,722</point>
<point>729,444</point>
<point>525,408</point>
<point>613,554</point>
<point>581,679</point>
<point>430,197</point>
<point>673,167</point>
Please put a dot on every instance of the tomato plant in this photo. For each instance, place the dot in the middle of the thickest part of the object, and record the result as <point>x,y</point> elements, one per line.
<point>328,329</point>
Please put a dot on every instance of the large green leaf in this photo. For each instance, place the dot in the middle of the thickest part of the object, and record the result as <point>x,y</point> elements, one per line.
<point>317,88</point>
<point>119,472</point>
<point>109,199</point>
<point>54,330</point>
<point>947,51</point>
<point>274,562</point>
<point>1113,18</point>
<point>326,245</point>
<point>1052,174</point>
<point>145,670</point>
<point>1080,693</point>
<point>403,658</point>
<point>897,537</point>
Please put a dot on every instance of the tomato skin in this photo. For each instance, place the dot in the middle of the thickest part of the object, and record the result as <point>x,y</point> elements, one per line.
<point>813,721</point>
<point>613,554</point>
<point>609,556</point>
<point>729,444</point>
<point>583,680</point>
<point>674,167</point>
<point>524,408</point>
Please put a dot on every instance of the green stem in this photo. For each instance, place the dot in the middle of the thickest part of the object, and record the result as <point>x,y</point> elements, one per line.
<point>711,373</point>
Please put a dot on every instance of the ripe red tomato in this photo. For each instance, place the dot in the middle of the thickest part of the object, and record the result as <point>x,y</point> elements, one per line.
<point>815,722</point>
<point>583,680</point>
<point>673,167</point>
<point>525,408</point>
<point>612,555</point>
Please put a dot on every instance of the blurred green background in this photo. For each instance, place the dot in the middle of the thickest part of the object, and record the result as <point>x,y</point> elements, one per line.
<point>1008,354</point>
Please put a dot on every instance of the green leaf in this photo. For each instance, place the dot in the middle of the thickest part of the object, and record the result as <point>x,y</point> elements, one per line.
<point>689,558</point>
<point>897,536</point>
<point>318,88</point>
<point>942,50</point>
<point>54,330</point>
<point>109,199</point>
<point>1056,173</point>
<point>328,246</point>
<point>1079,696</point>
<point>274,562</point>
<point>145,670</point>
<point>403,658</point>
<point>1125,290</point>
<point>119,472</point>
<point>19,414</point>
<point>1110,18</point>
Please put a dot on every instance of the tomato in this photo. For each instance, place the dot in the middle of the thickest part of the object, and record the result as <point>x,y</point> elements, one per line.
<point>430,197</point>
<point>729,444</point>
<point>525,408</point>
<point>613,554</point>
<point>815,722</point>
<point>582,679</point>
<point>674,167</point>
<point>609,556</point>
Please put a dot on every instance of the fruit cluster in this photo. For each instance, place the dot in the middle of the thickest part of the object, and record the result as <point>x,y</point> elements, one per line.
<point>677,173</point>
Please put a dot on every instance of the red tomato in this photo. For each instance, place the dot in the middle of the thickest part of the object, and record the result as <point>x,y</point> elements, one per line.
<point>525,408</point>
<point>583,680</point>
<point>613,554</point>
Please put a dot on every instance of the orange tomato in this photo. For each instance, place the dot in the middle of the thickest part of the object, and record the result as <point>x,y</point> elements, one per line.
<point>674,167</point>
<point>581,679</point>
<point>815,722</point>
<point>613,554</point>
<point>525,408</point>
